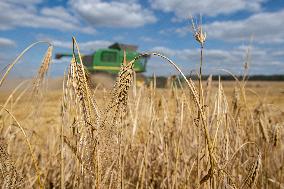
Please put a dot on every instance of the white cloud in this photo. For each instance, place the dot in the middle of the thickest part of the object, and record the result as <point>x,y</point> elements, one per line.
<point>113,13</point>
<point>26,14</point>
<point>184,8</point>
<point>262,28</point>
<point>58,12</point>
<point>266,27</point>
<point>183,31</point>
<point>164,50</point>
<point>148,39</point>
<point>4,60</point>
<point>212,57</point>
<point>88,46</point>
<point>279,53</point>
<point>262,62</point>
<point>79,15</point>
<point>5,42</point>
<point>24,2</point>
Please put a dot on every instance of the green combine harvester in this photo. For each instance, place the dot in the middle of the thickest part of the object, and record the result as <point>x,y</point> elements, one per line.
<point>104,64</point>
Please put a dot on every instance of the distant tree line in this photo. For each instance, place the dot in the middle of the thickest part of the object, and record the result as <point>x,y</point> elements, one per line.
<point>162,81</point>
<point>250,77</point>
<point>231,78</point>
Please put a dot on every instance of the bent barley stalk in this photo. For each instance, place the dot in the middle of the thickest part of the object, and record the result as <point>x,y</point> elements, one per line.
<point>28,143</point>
<point>9,68</point>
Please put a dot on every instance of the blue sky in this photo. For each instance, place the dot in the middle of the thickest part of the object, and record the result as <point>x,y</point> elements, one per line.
<point>154,25</point>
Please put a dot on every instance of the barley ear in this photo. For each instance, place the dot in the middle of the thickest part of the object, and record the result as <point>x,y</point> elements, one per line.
<point>10,176</point>
<point>42,72</point>
<point>251,178</point>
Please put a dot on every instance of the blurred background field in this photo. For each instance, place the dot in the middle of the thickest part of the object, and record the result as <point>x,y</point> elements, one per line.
<point>114,114</point>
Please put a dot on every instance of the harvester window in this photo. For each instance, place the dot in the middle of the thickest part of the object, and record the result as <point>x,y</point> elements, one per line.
<point>88,60</point>
<point>109,57</point>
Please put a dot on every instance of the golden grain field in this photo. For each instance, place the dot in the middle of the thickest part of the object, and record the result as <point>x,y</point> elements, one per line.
<point>204,134</point>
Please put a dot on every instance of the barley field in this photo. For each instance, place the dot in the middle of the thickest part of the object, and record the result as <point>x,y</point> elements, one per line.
<point>192,134</point>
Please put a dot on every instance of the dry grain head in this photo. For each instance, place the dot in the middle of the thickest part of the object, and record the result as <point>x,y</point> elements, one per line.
<point>120,92</point>
<point>83,110</point>
<point>252,176</point>
<point>236,101</point>
<point>275,135</point>
<point>82,92</point>
<point>110,133</point>
<point>9,177</point>
<point>42,72</point>
<point>198,33</point>
<point>39,83</point>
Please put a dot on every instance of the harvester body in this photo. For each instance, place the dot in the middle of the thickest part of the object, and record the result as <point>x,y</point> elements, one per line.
<point>109,60</point>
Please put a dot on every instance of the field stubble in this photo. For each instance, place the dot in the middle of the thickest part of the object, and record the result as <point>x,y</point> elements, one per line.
<point>159,137</point>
